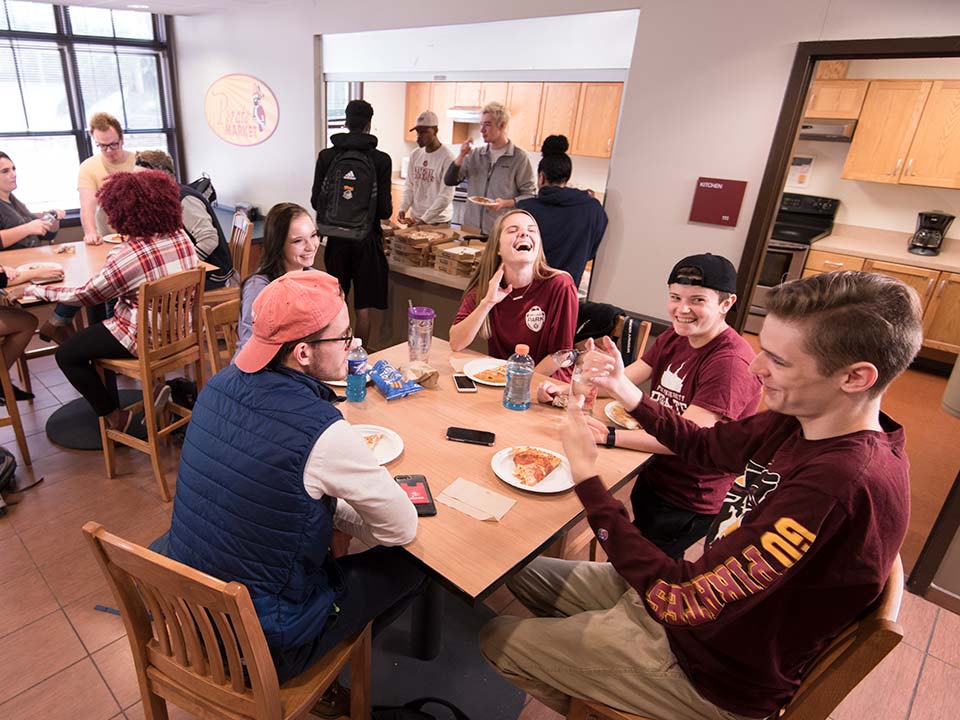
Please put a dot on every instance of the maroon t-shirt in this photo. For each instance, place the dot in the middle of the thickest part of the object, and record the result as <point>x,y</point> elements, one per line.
<point>715,377</point>
<point>803,547</point>
<point>544,316</point>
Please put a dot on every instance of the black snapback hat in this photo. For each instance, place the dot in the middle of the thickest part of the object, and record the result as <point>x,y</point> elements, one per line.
<point>716,273</point>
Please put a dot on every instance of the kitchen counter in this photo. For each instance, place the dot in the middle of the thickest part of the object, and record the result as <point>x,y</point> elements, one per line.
<point>888,246</point>
<point>458,282</point>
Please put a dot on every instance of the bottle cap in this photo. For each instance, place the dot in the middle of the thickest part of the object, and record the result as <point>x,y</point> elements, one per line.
<point>522,349</point>
<point>355,343</point>
<point>418,312</point>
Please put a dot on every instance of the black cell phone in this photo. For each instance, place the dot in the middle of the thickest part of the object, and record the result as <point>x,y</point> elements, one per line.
<point>464,384</point>
<point>477,437</point>
<point>419,493</point>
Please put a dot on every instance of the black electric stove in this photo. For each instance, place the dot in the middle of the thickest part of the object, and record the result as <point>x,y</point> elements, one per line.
<point>804,219</point>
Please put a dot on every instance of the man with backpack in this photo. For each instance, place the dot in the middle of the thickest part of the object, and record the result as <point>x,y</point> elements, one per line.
<point>351,194</point>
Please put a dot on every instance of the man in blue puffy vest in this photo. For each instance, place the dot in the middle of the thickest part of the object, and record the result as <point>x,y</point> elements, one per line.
<point>269,468</point>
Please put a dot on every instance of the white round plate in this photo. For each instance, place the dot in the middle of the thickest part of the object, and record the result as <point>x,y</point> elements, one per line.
<point>479,365</point>
<point>390,445</point>
<point>479,200</point>
<point>560,480</point>
<point>608,410</point>
<point>342,383</point>
<point>35,265</point>
<point>113,238</point>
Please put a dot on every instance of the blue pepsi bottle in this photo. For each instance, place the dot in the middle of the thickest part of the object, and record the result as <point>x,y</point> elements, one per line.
<point>357,372</point>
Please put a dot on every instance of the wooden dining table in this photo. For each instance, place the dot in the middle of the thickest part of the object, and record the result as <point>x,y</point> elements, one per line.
<point>474,557</point>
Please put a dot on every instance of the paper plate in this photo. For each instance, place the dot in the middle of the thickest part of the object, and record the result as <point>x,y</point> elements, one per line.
<point>478,365</point>
<point>609,411</point>
<point>560,480</point>
<point>390,445</point>
<point>113,238</point>
<point>479,200</point>
<point>37,265</point>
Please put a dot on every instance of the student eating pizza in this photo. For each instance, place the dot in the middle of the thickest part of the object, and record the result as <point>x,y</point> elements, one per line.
<point>515,297</point>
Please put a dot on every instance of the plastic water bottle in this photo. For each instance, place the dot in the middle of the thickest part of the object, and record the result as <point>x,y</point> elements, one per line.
<point>516,394</point>
<point>357,372</point>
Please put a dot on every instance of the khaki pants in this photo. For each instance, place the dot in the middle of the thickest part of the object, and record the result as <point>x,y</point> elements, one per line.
<point>593,639</point>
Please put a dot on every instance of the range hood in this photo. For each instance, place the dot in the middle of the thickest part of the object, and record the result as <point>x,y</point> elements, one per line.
<point>827,130</point>
<point>465,114</point>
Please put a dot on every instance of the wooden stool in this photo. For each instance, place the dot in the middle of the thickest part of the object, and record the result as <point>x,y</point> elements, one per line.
<point>13,414</point>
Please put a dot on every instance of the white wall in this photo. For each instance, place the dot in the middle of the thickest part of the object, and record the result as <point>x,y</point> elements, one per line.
<point>702,98</point>
<point>389,102</point>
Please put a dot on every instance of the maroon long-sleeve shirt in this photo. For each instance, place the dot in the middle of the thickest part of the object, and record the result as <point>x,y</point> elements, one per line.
<point>803,546</point>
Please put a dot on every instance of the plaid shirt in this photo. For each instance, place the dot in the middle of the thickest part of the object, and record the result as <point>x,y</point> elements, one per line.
<point>128,266</point>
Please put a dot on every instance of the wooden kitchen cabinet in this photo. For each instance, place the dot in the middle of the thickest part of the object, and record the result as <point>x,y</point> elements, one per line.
<point>523,101</point>
<point>418,100</point>
<point>493,92</point>
<point>934,157</point>
<point>443,98</point>
<point>841,99</point>
<point>468,94</point>
<point>558,111</point>
<point>941,322</point>
<point>597,113</point>
<point>888,121</point>
<point>819,261</point>
<point>923,280</point>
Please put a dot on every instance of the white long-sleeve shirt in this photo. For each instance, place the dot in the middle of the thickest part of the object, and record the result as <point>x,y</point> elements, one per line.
<point>425,194</point>
<point>371,506</point>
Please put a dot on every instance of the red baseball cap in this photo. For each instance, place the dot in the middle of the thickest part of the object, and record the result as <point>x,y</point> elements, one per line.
<point>293,306</point>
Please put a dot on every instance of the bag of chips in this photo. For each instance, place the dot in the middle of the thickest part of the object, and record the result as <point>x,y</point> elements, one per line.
<point>390,382</point>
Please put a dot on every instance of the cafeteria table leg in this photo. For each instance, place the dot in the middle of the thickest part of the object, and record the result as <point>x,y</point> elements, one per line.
<point>426,627</point>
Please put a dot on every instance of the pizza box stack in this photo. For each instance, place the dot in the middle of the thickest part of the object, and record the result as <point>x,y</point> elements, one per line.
<point>458,258</point>
<point>412,245</point>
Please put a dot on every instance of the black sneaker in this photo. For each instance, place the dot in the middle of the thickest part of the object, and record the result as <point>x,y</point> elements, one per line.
<point>18,394</point>
<point>334,703</point>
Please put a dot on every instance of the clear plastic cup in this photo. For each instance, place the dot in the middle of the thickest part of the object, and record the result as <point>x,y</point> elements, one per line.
<point>420,332</point>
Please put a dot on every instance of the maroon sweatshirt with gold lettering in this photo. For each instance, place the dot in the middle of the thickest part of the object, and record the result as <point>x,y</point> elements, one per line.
<point>802,547</point>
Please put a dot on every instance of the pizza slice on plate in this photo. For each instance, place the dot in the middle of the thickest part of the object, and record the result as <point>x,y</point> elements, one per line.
<point>623,418</point>
<point>531,466</point>
<point>372,440</point>
<point>496,374</point>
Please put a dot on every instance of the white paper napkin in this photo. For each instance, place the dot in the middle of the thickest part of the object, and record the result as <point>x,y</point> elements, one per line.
<point>475,501</point>
<point>457,363</point>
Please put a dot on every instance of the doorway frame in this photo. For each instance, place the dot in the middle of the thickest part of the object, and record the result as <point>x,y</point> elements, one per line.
<point>768,200</point>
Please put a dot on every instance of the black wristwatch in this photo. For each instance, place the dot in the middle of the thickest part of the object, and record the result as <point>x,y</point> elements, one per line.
<point>611,436</point>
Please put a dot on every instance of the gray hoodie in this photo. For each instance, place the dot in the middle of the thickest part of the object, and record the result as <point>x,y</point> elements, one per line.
<point>511,176</point>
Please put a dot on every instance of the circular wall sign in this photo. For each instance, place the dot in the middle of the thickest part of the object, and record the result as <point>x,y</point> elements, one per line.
<point>241,109</point>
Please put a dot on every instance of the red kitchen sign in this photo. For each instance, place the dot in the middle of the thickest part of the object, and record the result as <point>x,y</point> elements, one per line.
<point>717,201</point>
<point>241,109</point>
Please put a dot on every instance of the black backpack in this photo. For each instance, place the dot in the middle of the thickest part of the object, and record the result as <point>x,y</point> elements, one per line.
<point>349,196</point>
<point>413,710</point>
<point>204,186</point>
<point>8,470</point>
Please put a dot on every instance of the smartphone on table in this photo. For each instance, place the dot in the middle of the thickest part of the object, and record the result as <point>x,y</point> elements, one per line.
<point>476,437</point>
<point>464,384</point>
<point>416,488</point>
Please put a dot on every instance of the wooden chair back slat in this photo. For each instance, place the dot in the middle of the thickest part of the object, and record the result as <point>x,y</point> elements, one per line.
<point>231,650</point>
<point>191,637</point>
<point>172,622</point>
<point>209,639</point>
<point>221,322</point>
<point>240,235</point>
<point>158,625</point>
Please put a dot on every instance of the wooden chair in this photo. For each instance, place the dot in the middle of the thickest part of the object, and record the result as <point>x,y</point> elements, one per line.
<point>240,235</point>
<point>168,337</point>
<point>839,669</point>
<point>13,413</point>
<point>174,614</point>
<point>221,322</point>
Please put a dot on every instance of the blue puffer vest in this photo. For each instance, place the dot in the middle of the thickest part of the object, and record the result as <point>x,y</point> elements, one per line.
<point>241,512</point>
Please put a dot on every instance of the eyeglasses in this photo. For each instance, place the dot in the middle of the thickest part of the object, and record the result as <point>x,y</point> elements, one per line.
<point>345,339</point>
<point>108,146</point>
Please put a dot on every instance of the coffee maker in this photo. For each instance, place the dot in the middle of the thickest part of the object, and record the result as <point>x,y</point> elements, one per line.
<point>931,227</point>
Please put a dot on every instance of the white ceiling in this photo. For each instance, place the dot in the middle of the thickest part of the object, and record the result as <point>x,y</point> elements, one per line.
<point>170,7</point>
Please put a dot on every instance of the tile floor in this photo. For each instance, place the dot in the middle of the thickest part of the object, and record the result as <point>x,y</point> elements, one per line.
<point>60,658</point>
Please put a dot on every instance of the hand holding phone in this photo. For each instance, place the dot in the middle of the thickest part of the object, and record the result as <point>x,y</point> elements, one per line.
<point>419,493</point>
<point>476,437</point>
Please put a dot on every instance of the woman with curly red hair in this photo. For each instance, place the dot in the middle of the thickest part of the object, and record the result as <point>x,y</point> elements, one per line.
<point>145,207</point>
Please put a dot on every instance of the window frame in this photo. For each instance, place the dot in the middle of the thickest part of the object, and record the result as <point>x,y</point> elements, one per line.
<point>66,42</point>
